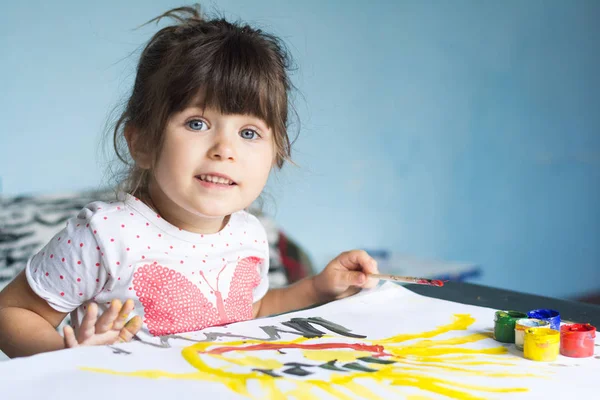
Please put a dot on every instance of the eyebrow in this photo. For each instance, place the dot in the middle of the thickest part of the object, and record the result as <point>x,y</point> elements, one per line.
<point>194,109</point>
<point>258,121</point>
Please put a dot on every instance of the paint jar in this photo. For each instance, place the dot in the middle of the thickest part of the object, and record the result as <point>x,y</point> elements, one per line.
<point>504,326</point>
<point>525,323</point>
<point>577,340</point>
<point>541,344</point>
<point>551,316</point>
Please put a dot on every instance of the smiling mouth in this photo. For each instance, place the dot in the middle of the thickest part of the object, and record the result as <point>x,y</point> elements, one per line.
<point>215,179</point>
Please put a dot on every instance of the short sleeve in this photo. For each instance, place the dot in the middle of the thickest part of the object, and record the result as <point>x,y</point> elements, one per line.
<point>69,270</point>
<point>262,288</point>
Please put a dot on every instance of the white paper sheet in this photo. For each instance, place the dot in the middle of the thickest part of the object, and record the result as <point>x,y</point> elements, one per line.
<point>412,346</point>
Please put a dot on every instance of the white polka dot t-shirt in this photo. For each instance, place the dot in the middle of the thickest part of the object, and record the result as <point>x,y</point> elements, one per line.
<point>180,281</point>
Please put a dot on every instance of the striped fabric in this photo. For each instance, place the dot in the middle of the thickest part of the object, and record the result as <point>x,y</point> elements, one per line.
<point>27,223</point>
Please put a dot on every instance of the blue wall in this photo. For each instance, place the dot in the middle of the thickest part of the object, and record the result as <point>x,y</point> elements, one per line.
<point>461,130</point>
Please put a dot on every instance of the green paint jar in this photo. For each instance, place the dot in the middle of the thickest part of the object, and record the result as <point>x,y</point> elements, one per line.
<point>504,327</point>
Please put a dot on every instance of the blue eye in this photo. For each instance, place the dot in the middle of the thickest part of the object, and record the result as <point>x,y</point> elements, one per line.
<point>249,134</point>
<point>197,125</point>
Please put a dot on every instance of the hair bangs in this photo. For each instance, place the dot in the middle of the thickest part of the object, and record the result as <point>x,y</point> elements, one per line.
<point>238,81</point>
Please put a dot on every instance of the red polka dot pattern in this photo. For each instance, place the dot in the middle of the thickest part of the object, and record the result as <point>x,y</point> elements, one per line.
<point>172,304</point>
<point>222,290</point>
<point>238,304</point>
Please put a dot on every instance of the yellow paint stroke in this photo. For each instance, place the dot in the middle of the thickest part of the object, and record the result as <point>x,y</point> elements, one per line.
<point>253,362</point>
<point>461,362</point>
<point>461,323</point>
<point>339,355</point>
<point>414,366</point>
<point>463,371</point>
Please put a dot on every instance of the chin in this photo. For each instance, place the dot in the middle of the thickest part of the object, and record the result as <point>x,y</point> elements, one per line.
<point>213,212</point>
<point>214,207</point>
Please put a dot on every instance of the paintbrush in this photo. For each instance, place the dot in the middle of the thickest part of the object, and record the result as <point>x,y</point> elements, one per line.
<point>408,279</point>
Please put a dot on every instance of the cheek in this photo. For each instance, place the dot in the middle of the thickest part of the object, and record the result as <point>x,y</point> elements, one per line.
<point>263,177</point>
<point>260,170</point>
<point>173,163</point>
<point>267,163</point>
<point>179,153</point>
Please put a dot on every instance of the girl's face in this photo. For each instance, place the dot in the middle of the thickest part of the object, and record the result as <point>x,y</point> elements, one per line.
<point>210,166</point>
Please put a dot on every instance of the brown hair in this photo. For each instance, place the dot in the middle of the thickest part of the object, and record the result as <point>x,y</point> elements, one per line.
<point>237,68</point>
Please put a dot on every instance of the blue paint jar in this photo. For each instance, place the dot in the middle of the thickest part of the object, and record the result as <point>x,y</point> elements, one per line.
<point>552,316</point>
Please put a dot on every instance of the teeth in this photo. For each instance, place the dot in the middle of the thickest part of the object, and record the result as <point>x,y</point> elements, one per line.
<point>215,179</point>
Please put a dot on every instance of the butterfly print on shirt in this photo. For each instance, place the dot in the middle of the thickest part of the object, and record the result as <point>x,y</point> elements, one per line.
<point>172,304</point>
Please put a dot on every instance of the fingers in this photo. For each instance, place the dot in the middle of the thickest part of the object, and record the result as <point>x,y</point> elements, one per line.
<point>70,340</point>
<point>123,314</point>
<point>370,283</point>
<point>88,325</point>
<point>106,329</point>
<point>358,259</point>
<point>354,278</point>
<point>106,320</point>
<point>130,329</point>
<point>362,264</point>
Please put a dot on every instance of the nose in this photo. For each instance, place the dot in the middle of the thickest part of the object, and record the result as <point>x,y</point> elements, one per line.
<point>222,148</point>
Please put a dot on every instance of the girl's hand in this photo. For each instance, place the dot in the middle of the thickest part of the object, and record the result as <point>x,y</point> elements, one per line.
<point>107,329</point>
<point>346,275</point>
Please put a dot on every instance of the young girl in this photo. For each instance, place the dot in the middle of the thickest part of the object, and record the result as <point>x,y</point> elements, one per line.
<point>205,124</point>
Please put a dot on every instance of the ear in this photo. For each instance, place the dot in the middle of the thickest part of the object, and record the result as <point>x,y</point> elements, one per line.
<point>138,153</point>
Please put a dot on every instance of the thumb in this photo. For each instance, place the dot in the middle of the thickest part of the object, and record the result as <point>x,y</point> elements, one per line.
<point>70,340</point>
<point>354,278</point>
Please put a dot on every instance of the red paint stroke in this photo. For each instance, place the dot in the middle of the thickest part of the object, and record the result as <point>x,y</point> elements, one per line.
<point>377,349</point>
<point>431,282</point>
